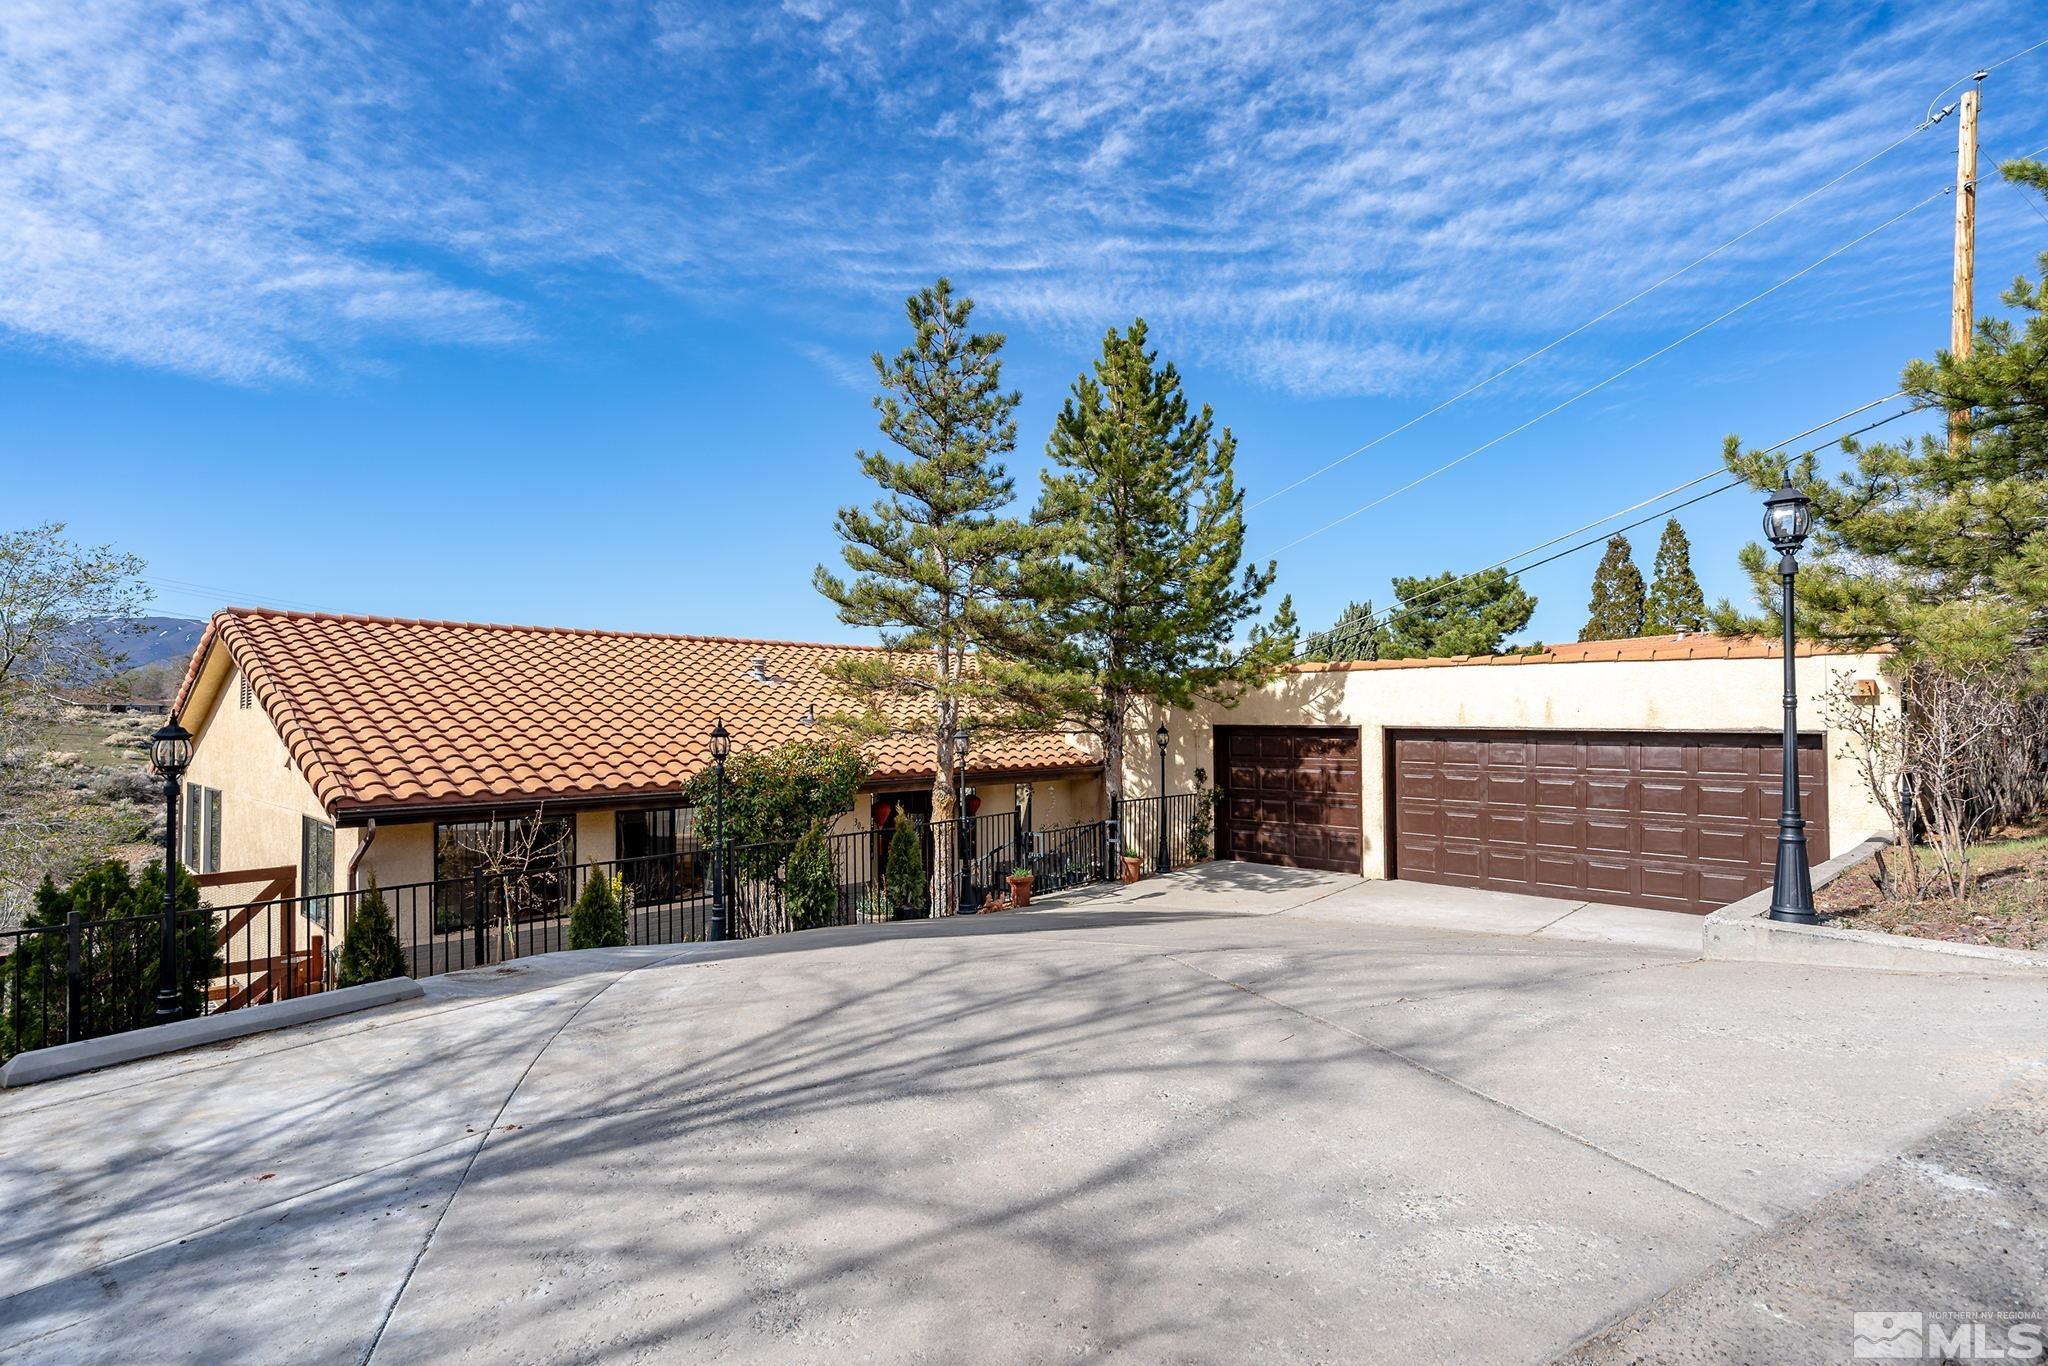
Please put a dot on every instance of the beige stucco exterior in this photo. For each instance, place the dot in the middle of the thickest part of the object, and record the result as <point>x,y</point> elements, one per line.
<point>1631,695</point>
<point>263,795</point>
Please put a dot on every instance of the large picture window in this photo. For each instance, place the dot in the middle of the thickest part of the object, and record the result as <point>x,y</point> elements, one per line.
<point>527,860</point>
<point>658,854</point>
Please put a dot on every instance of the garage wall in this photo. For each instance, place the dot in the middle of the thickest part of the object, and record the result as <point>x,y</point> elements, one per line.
<point>1631,695</point>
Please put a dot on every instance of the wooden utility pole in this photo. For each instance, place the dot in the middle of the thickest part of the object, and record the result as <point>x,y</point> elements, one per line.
<point>1962,320</point>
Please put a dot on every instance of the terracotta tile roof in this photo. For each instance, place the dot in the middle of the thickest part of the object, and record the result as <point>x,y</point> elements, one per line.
<point>381,712</point>
<point>1696,645</point>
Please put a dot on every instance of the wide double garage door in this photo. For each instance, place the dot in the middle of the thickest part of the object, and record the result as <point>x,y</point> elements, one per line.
<point>1682,822</point>
<point>1679,820</point>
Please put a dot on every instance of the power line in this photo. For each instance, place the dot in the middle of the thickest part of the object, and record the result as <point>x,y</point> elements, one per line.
<point>1979,74</point>
<point>1929,120</point>
<point>187,589</point>
<point>2025,198</point>
<point>1598,318</point>
<point>1618,374</point>
<point>1404,609</point>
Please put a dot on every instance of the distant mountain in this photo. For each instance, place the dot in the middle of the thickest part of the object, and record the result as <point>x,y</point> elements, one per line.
<point>142,641</point>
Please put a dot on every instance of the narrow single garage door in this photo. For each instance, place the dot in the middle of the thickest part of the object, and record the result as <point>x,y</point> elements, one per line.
<point>1290,796</point>
<point>1685,822</point>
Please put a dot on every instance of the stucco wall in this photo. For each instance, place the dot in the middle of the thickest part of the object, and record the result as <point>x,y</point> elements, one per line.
<point>1054,801</point>
<point>1678,695</point>
<point>263,796</point>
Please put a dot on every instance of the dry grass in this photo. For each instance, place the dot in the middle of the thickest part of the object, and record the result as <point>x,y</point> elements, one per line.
<point>2009,909</point>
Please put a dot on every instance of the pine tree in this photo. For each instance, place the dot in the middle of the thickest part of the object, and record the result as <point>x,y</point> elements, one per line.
<point>1150,593</point>
<point>1616,611</point>
<point>598,919</point>
<point>935,566</point>
<point>1674,602</point>
<point>1455,614</point>
<point>370,951</point>
<point>1942,554</point>
<point>812,889</point>
<point>119,966</point>
<point>1355,634</point>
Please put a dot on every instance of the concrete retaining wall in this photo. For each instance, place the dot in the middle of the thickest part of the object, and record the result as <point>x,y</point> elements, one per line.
<point>66,1059</point>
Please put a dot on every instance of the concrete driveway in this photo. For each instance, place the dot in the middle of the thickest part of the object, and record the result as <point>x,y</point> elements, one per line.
<point>1234,1114</point>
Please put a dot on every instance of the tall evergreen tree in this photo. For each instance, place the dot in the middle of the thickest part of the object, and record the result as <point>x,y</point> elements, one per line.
<point>1355,634</point>
<point>1455,614</point>
<point>1616,611</point>
<point>1150,592</point>
<point>1938,552</point>
<point>1674,602</point>
<point>935,566</point>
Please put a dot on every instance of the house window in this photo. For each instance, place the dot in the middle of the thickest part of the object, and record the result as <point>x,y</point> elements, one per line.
<point>316,857</point>
<point>533,858</point>
<point>658,855</point>
<point>201,843</point>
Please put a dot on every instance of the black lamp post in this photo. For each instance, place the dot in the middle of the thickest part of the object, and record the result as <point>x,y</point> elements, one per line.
<point>1787,519</point>
<point>721,745</point>
<point>170,750</point>
<point>1162,862</point>
<point>962,837</point>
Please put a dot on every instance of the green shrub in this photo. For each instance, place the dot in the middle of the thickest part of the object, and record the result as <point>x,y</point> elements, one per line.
<point>369,949</point>
<point>119,961</point>
<point>909,896</point>
<point>811,889</point>
<point>598,920</point>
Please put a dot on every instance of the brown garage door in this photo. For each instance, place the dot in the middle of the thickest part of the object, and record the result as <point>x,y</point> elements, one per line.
<point>1290,796</point>
<point>1685,822</point>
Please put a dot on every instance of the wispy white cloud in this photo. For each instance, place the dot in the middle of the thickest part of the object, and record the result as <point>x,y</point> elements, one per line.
<point>1327,199</point>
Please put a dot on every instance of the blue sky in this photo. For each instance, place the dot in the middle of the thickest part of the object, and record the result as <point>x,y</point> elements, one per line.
<point>559,312</point>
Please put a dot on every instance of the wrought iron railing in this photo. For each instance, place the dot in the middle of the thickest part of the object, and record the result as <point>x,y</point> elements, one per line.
<point>84,979</point>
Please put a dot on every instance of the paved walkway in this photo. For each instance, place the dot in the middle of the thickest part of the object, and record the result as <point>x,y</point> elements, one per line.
<point>1233,1114</point>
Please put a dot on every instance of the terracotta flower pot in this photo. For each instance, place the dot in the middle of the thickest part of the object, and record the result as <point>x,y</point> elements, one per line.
<point>1134,867</point>
<point>1020,892</point>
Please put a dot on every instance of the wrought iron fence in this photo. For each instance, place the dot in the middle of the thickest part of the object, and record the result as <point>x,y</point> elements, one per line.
<point>1174,817</point>
<point>84,979</point>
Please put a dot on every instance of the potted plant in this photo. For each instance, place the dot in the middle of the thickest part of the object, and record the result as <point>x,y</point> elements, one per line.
<point>1020,888</point>
<point>1134,863</point>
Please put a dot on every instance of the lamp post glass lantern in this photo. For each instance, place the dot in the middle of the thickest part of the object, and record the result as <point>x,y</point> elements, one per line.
<point>1162,861</point>
<point>1787,520</point>
<point>170,751</point>
<point>721,746</point>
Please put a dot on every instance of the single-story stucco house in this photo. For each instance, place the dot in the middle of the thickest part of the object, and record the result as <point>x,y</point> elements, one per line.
<point>1642,772</point>
<point>330,748</point>
<point>1637,772</point>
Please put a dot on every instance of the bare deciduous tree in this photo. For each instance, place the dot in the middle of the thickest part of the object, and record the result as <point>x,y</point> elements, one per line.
<point>61,606</point>
<point>524,858</point>
<point>1962,754</point>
